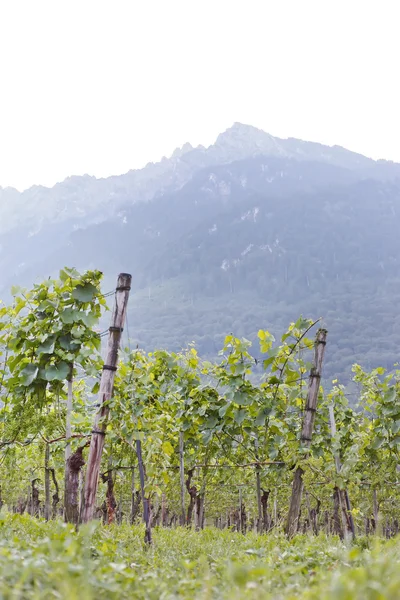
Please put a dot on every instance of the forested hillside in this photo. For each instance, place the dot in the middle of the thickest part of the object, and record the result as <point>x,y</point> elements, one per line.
<point>245,233</point>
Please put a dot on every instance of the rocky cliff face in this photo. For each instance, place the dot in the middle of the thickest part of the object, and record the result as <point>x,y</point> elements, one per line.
<point>86,199</point>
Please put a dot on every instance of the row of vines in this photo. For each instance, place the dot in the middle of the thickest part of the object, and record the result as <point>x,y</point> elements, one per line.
<point>250,441</point>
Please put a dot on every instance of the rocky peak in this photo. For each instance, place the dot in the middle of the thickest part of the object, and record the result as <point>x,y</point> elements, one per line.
<point>245,140</point>
<point>178,152</point>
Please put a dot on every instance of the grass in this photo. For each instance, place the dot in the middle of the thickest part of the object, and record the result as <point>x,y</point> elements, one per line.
<point>50,560</point>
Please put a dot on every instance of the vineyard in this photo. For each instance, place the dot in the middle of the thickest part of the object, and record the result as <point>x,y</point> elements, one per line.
<point>177,457</point>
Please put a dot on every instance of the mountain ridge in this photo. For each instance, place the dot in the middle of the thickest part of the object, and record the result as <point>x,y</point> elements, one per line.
<point>100,197</point>
<point>238,130</point>
<point>247,233</point>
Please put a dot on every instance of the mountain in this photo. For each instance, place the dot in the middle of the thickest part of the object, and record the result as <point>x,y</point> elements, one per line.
<point>247,233</point>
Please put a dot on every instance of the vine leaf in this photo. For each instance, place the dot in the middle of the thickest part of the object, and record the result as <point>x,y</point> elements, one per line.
<point>29,374</point>
<point>67,342</point>
<point>47,347</point>
<point>57,372</point>
<point>240,416</point>
<point>70,315</point>
<point>242,398</point>
<point>84,293</point>
<point>168,448</point>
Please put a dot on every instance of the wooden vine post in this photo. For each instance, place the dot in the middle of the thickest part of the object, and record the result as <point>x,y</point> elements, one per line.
<point>182,518</point>
<point>135,504</point>
<point>68,426</point>
<point>47,482</point>
<point>72,473</point>
<point>307,430</point>
<point>240,519</point>
<point>71,511</point>
<point>376,510</point>
<point>105,393</point>
<point>258,489</point>
<point>145,500</point>
<point>344,500</point>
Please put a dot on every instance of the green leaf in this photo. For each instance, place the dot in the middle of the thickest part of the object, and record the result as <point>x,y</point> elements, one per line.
<point>262,416</point>
<point>278,427</point>
<point>207,435</point>
<point>377,443</point>
<point>71,315</point>
<point>273,453</point>
<point>57,372</point>
<point>47,347</point>
<point>390,395</point>
<point>240,416</point>
<point>266,340</point>
<point>211,422</point>
<point>63,275</point>
<point>15,289</point>
<point>291,376</point>
<point>68,273</point>
<point>242,399</point>
<point>29,374</point>
<point>223,409</point>
<point>67,342</point>
<point>168,448</point>
<point>85,292</point>
<point>302,323</point>
<point>89,320</point>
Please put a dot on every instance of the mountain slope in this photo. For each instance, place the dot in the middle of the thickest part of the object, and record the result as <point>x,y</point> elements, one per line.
<point>247,233</point>
<point>86,199</point>
<point>333,254</point>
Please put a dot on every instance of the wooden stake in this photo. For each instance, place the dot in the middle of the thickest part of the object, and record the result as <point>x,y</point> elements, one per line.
<point>145,501</point>
<point>81,489</point>
<point>163,509</point>
<point>240,510</point>
<point>259,505</point>
<point>47,483</point>
<point>307,430</point>
<point>182,519</point>
<point>71,503</point>
<point>266,521</point>
<point>135,500</point>
<point>258,489</point>
<point>70,509</point>
<point>105,393</point>
<point>344,501</point>
<point>376,510</point>
<point>68,428</point>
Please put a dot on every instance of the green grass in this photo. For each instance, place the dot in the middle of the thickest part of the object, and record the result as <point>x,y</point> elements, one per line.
<point>41,561</point>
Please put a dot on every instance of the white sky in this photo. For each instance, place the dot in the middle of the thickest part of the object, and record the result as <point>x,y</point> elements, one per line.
<point>100,87</point>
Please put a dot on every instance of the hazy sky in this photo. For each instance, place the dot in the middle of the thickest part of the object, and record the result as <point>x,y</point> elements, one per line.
<point>100,87</point>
